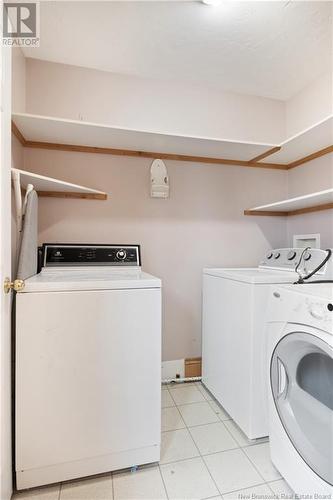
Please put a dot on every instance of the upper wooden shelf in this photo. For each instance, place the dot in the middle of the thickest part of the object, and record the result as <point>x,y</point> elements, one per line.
<point>55,133</point>
<point>310,142</point>
<point>55,188</point>
<point>314,202</point>
<point>35,131</point>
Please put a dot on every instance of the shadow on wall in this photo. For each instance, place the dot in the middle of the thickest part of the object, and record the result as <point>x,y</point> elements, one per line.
<point>270,228</point>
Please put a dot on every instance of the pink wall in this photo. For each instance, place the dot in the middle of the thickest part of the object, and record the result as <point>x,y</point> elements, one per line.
<point>17,153</point>
<point>314,176</point>
<point>98,96</point>
<point>201,224</point>
<point>311,105</point>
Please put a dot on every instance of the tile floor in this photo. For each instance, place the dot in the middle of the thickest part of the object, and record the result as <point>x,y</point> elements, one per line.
<point>204,456</point>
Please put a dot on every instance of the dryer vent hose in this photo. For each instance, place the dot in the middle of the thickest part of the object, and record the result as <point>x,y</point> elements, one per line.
<point>321,265</point>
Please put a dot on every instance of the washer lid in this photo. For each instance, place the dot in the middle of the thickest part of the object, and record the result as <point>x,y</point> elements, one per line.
<point>90,279</point>
<point>253,275</point>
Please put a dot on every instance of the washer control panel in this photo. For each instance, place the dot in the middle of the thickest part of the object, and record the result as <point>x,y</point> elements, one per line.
<point>71,255</point>
<point>288,258</point>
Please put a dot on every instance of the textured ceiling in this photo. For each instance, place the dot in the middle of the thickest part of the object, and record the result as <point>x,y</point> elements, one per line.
<point>271,49</point>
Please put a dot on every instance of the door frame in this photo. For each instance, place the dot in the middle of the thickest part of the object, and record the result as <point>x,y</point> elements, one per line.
<point>6,470</point>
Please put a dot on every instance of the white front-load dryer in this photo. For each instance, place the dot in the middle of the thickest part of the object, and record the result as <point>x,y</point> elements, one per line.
<point>299,339</point>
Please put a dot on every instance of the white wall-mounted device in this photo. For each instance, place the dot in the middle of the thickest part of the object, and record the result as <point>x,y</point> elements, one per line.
<point>159,180</point>
<point>306,240</point>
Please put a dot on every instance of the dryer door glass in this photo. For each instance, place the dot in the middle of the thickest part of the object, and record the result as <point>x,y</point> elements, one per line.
<point>302,388</point>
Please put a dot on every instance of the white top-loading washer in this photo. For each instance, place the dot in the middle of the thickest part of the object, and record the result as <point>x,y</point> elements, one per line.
<point>233,349</point>
<point>300,379</point>
<point>88,365</point>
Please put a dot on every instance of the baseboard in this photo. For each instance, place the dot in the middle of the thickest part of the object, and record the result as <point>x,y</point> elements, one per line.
<point>192,367</point>
<point>173,369</point>
<point>181,368</point>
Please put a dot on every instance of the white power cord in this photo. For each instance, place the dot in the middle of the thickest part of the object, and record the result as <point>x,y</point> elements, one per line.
<point>181,380</point>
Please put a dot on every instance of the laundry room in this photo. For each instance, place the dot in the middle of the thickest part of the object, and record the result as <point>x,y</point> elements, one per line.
<point>170,181</point>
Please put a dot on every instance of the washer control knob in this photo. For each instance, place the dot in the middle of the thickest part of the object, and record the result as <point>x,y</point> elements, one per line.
<point>307,255</point>
<point>269,255</point>
<point>277,255</point>
<point>121,254</point>
<point>291,255</point>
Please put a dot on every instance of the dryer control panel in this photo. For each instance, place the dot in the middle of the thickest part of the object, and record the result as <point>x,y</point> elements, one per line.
<point>72,255</point>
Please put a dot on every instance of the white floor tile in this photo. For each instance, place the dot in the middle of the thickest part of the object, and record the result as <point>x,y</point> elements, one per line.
<point>198,414</point>
<point>212,438</point>
<point>145,484</point>
<point>182,385</point>
<point>253,492</point>
<point>45,493</point>
<point>188,480</point>
<point>171,419</point>
<point>232,470</point>
<point>237,433</point>
<point>167,400</point>
<point>206,394</point>
<point>222,414</point>
<point>185,395</point>
<point>99,488</point>
<point>281,487</point>
<point>177,445</point>
<point>260,456</point>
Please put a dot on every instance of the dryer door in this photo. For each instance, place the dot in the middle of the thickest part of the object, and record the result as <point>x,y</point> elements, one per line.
<point>302,387</point>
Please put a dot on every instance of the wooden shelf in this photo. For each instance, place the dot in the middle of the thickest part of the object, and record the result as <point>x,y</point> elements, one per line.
<point>309,144</point>
<point>36,131</point>
<point>45,132</point>
<point>55,188</point>
<point>314,202</point>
